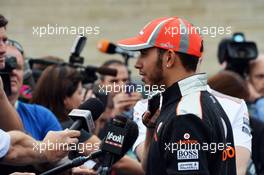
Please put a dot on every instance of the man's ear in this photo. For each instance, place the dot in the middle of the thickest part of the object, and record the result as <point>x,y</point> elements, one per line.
<point>171,57</point>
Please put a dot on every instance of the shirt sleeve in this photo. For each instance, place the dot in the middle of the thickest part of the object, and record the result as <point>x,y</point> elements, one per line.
<point>241,128</point>
<point>179,145</point>
<point>49,120</point>
<point>4,143</point>
<point>139,109</point>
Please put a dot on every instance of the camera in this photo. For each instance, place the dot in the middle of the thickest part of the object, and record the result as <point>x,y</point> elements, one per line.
<point>10,64</point>
<point>237,53</point>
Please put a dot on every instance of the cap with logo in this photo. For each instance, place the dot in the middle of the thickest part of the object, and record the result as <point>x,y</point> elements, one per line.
<point>168,33</point>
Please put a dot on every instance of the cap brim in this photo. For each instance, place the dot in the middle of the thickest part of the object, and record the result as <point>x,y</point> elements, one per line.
<point>133,44</point>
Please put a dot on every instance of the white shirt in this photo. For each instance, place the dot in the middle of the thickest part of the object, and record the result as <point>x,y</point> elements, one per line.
<point>237,112</point>
<point>4,143</point>
<point>235,109</point>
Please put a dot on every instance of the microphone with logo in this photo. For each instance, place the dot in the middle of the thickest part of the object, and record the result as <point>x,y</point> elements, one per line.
<point>121,135</point>
<point>87,113</point>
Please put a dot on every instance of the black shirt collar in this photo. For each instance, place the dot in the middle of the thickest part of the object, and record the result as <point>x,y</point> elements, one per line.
<point>184,87</point>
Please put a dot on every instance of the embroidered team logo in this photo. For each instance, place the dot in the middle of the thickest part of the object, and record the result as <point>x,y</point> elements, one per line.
<point>186,136</point>
<point>185,166</point>
<point>184,154</point>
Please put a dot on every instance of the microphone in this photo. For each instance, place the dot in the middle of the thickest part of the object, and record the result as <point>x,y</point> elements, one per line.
<point>76,50</point>
<point>107,47</point>
<point>120,137</point>
<point>121,125</point>
<point>73,163</point>
<point>87,113</point>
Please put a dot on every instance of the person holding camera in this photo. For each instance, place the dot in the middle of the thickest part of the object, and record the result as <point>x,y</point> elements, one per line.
<point>9,119</point>
<point>241,56</point>
<point>37,120</point>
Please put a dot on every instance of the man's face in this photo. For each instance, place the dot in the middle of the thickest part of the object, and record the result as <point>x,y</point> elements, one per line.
<point>16,76</point>
<point>257,77</point>
<point>150,67</point>
<point>3,39</point>
<point>119,81</point>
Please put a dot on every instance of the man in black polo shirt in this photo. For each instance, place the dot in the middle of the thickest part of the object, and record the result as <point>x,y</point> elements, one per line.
<point>192,134</point>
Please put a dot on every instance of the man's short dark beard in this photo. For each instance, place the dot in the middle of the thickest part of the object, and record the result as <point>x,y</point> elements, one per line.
<point>157,78</point>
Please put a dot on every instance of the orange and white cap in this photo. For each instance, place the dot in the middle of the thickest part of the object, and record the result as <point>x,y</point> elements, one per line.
<point>168,33</point>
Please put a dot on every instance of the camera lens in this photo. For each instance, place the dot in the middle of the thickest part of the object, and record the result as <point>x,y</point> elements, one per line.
<point>242,53</point>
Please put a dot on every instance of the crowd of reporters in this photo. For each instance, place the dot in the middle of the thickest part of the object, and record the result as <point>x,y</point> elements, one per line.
<point>37,111</point>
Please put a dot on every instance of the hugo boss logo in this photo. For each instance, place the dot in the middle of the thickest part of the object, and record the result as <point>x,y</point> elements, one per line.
<point>187,154</point>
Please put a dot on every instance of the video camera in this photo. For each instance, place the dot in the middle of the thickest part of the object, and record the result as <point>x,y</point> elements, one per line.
<point>237,53</point>
<point>88,72</point>
<point>10,64</point>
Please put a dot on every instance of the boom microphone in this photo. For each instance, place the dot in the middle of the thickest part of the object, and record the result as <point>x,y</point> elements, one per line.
<point>107,47</point>
<point>87,113</point>
<point>102,70</point>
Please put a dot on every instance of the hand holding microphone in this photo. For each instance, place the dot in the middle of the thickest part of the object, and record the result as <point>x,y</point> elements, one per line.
<point>121,135</point>
<point>58,141</point>
<point>87,113</point>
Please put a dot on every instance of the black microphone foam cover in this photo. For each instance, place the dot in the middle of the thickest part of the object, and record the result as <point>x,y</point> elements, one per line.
<point>95,106</point>
<point>131,136</point>
<point>111,48</point>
